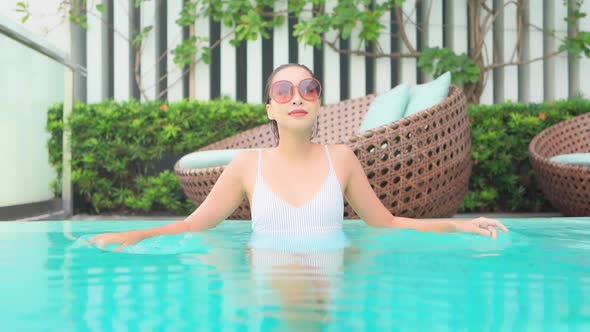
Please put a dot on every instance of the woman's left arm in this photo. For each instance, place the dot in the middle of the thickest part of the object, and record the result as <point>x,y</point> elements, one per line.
<point>366,204</point>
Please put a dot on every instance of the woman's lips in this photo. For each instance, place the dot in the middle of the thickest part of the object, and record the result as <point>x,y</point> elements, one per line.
<point>298,113</point>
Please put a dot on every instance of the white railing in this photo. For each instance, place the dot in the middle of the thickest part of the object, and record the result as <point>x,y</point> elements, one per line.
<point>539,81</point>
<point>35,76</point>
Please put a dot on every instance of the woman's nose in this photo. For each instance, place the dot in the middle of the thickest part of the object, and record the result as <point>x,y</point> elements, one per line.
<point>296,100</point>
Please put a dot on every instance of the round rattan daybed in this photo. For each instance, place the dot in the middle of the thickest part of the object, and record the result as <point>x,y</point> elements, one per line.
<point>566,186</point>
<point>419,166</point>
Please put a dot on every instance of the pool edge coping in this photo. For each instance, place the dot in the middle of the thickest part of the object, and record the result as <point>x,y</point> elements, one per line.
<point>148,217</point>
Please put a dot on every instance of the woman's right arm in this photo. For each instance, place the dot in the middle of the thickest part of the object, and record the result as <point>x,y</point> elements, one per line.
<point>225,196</point>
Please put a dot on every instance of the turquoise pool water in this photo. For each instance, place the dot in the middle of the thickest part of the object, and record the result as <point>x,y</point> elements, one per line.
<point>537,278</point>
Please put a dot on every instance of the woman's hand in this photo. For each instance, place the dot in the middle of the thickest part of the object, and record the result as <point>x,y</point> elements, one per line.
<point>122,238</point>
<point>482,226</point>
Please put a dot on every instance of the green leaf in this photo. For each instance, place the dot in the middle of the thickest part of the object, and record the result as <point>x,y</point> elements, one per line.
<point>101,8</point>
<point>147,29</point>
<point>440,60</point>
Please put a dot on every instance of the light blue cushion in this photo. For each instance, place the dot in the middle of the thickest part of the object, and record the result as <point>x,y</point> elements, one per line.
<point>387,107</point>
<point>212,158</point>
<point>580,159</point>
<point>424,96</point>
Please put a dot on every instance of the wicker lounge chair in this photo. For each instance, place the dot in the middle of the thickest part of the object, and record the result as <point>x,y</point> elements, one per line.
<point>419,166</point>
<point>566,186</point>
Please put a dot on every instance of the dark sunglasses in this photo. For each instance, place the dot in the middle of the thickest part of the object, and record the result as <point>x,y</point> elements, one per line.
<point>282,92</point>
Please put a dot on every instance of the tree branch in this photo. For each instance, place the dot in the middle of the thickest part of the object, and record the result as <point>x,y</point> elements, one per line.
<point>498,13</point>
<point>184,72</point>
<point>524,62</point>
<point>213,46</point>
<point>479,33</point>
<point>518,46</point>
<point>402,30</point>
<point>395,55</point>
<point>137,72</point>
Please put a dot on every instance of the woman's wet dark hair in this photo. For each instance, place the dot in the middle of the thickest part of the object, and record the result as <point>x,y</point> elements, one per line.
<point>273,123</point>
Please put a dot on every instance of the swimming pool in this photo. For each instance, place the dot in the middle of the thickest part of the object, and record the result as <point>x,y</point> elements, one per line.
<point>535,278</point>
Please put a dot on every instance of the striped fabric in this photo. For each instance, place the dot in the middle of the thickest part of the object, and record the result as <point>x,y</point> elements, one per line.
<point>322,252</point>
<point>322,213</point>
<point>266,260</point>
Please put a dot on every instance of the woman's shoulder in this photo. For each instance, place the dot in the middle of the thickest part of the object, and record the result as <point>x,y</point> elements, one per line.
<point>246,157</point>
<point>342,156</point>
<point>341,151</point>
<point>243,164</point>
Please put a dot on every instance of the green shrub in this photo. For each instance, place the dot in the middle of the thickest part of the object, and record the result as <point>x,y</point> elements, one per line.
<point>116,148</point>
<point>502,178</point>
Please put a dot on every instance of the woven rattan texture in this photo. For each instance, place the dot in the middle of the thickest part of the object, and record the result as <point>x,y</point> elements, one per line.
<point>566,186</point>
<point>419,166</point>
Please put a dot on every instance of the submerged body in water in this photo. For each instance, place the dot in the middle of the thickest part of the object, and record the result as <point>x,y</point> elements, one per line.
<point>533,278</point>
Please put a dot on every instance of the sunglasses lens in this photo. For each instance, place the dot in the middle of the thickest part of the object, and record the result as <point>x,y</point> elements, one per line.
<point>310,89</point>
<point>282,92</point>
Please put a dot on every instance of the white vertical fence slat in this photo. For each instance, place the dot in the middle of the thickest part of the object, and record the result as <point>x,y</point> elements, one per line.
<point>305,51</point>
<point>173,39</point>
<point>383,65</point>
<point>306,55</point>
<point>94,47</point>
<point>549,45</point>
<point>487,96</point>
<point>148,51</point>
<point>510,84</point>
<point>331,66</point>
<point>433,10</point>
<point>356,69</point>
<point>254,71</point>
<point>281,37</point>
<point>459,34</point>
<point>561,77</point>
<point>121,40</point>
<point>535,50</point>
<point>584,61</point>
<point>202,72</point>
<point>228,65</point>
<point>409,65</point>
<point>433,14</point>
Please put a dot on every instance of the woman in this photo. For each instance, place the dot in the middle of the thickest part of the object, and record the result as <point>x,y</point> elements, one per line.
<point>296,193</point>
<point>297,187</point>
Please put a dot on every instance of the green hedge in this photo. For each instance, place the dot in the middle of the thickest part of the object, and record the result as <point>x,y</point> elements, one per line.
<point>502,178</point>
<point>118,149</point>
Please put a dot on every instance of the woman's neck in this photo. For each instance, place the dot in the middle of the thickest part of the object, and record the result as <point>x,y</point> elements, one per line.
<point>295,147</point>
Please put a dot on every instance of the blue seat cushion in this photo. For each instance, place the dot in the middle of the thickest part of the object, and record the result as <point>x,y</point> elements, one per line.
<point>424,96</point>
<point>578,159</point>
<point>212,158</point>
<point>386,108</point>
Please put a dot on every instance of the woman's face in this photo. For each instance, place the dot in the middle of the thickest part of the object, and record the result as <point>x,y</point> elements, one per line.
<point>297,114</point>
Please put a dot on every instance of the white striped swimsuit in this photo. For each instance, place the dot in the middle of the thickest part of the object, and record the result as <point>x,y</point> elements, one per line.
<point>320,214</point>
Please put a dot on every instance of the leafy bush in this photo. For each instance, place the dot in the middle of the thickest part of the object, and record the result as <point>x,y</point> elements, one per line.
<point>117,148</point>
<point>502,178</point>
